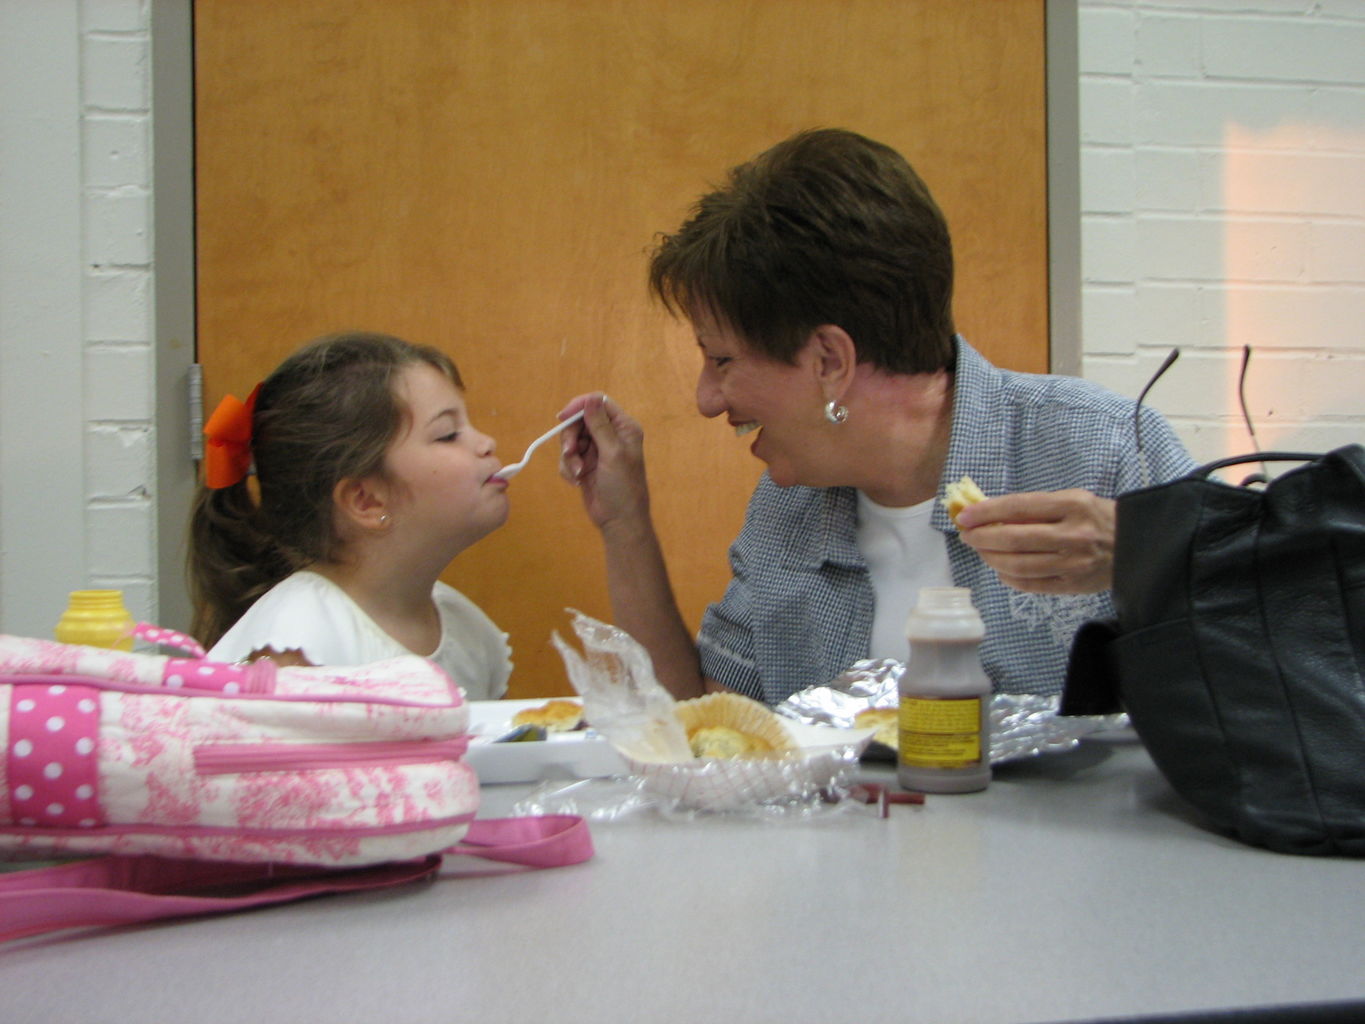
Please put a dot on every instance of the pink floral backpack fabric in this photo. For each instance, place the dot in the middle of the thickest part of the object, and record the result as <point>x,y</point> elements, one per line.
<point>139,754</point>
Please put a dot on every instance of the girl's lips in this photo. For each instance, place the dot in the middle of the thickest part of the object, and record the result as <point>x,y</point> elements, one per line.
<point>746,428</point>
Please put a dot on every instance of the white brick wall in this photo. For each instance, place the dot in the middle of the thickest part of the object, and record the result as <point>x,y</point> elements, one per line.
<point>119,356</point>
<point>1223,204</point>
<point>76,343</point>
<point>41,423</point>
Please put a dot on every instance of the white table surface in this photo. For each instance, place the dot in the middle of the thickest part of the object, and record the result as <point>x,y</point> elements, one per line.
<point>1076,887</point>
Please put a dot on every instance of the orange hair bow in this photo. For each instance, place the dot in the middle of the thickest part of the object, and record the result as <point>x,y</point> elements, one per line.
<point>227,456</point>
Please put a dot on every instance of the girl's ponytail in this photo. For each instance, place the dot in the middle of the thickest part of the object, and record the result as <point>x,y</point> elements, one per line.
<point>232,561</point>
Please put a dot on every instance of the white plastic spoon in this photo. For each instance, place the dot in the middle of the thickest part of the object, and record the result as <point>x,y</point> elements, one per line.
<point>507,472</point>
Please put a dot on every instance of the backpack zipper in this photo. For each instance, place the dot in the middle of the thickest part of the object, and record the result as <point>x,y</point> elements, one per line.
<point>237,758</point>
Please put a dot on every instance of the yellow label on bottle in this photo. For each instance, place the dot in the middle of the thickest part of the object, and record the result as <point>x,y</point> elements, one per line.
<point>940,732</point>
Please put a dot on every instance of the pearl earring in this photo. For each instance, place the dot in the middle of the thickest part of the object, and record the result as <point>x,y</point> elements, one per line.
<point>384,519</point>
<point>835,413</point>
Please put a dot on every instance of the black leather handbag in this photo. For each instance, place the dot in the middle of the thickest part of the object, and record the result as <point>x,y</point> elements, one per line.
<point>1239,647</point>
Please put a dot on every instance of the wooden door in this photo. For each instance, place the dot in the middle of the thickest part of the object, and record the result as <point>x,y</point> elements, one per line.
<point>487,176</point>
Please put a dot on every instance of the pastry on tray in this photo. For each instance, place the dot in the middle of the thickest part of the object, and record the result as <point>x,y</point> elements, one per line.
<point>885,720</point>
<point>553,716</point>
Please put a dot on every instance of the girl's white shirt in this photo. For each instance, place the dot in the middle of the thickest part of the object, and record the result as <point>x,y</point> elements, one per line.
<point>312,614</point>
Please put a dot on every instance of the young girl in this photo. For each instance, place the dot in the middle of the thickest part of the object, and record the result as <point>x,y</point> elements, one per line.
<point>369,480</point>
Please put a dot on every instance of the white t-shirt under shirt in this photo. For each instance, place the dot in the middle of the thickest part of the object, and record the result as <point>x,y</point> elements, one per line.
<point>311,613</point>
<point>904,553</point>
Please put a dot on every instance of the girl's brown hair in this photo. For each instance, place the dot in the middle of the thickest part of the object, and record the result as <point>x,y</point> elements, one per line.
<point>328,413</point>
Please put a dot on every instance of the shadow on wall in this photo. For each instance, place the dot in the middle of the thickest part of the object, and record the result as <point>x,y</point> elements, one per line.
<point>1290,211</point>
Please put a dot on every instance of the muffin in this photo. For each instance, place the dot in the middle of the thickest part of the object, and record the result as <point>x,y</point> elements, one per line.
<point>721,741</point>
<point>726,725</point>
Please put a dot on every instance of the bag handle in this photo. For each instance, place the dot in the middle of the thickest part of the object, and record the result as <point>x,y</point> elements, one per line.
<point>1237,460</point>
<point>115,889</point>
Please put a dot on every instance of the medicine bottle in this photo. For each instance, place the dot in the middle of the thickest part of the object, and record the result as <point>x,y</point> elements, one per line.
<point>945,697</point>
<point>96,618</point>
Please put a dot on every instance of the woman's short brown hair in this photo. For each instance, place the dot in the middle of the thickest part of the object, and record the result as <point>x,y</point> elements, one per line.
<point>827,227</point>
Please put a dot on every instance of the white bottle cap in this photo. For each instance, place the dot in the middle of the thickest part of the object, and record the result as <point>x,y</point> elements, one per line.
<point>945,613</point>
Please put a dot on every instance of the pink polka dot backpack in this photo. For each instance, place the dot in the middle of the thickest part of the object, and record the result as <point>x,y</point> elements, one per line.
<point>191,775</point>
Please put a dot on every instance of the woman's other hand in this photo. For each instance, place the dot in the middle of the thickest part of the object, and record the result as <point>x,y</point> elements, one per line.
<point>1054,542</point>
<point>603,456</point>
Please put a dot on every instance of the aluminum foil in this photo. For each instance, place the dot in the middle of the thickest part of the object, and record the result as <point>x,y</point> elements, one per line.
<point>1022,724</point>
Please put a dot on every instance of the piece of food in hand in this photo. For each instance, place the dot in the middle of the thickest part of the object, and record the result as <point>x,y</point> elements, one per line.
<point>554,716</point>
<point>958,496</point>
<point>885,720</point>
<point>729,725</point>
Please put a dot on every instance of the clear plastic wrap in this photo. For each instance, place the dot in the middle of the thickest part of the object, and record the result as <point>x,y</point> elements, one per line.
<point>622,699</point>
<point>1022,724</point>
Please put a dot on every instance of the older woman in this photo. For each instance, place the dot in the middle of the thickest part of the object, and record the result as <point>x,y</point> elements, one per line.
<point>818,282</point>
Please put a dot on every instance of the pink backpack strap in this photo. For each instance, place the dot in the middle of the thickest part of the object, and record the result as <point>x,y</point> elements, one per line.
<point>127,890</point>
<point>169,638</point>
<point>541,841</point>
